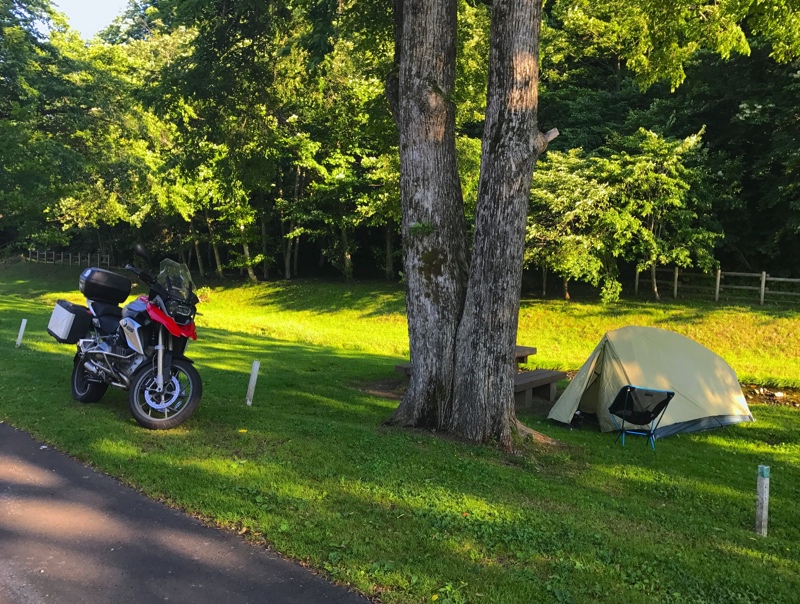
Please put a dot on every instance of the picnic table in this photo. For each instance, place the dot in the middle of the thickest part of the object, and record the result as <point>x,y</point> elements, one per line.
<point>521,353</point>
<point>527,384</point>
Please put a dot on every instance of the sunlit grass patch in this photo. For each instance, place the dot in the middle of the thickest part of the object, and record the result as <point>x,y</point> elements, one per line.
<point>406,515</point>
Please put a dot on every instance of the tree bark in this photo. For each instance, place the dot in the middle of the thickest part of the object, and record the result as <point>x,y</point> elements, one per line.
<point>566,288</point>
<point>655,283</point>
<point>347,260</point>
<point>287,259</point>
<point>296,255</point>
<point>484,385</point>
<point>199,258</point>
<point>251,274</point>
<point>433,226</point>
<point>463,319</point>
<point>265,263</point>
<point>214,246</point>
<point>388,266</point>
<point>287,252</point>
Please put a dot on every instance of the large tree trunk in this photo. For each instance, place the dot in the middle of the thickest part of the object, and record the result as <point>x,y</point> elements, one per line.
<point>484,386</point>
<point>462,338</point>
<point>433,227</point>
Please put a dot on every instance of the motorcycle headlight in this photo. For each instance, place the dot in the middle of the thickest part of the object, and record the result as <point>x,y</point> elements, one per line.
<point>180,310</point>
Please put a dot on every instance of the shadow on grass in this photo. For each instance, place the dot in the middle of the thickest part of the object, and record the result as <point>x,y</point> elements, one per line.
<point>679,312</point>
<point>323,297</point>
<point>310,469</point>
<point>709,477</point>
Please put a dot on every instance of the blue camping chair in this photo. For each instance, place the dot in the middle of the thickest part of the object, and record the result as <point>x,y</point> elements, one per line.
<point>639,407</point>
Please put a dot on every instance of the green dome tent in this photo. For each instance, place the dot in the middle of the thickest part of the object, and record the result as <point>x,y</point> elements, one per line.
<point>707,392</point>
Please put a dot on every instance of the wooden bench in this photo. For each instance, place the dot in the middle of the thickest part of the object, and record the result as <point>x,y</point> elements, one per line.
<point>404,368</point>
<point>540,383</point>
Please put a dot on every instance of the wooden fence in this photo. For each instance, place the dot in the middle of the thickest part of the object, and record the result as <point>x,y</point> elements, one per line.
<point>69,258</point>
<point>720,285</point>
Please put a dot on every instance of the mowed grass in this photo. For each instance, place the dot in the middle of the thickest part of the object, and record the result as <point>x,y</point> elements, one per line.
<point>408,516</point>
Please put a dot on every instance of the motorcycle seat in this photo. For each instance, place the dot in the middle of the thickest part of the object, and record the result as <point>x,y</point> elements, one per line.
<point>108,315</point>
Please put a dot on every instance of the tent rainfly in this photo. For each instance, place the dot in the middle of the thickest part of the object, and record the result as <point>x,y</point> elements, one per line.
<point>707,392</point>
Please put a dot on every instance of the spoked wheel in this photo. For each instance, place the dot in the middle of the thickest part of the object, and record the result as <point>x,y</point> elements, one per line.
<point>84,388</point>
<point>175,403</point>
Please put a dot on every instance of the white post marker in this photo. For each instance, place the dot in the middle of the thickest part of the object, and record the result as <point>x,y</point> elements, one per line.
<point>251,388</point>
<point>21,332</point>
<point>762,500</point>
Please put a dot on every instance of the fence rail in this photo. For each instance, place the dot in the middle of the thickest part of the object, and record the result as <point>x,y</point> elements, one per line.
<point>68,258</point>
<point>719,287</point>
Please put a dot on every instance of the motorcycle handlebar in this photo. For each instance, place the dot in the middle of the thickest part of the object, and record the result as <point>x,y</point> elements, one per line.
<point>141,274</point>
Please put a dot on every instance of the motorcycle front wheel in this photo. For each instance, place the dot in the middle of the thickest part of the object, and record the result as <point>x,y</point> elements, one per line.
<point>175,403</point>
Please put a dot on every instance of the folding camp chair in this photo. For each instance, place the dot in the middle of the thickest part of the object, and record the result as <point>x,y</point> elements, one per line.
<point>639,407</point>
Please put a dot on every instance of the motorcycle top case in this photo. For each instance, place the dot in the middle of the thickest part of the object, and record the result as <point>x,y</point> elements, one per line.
<point>104,286</point>
<point>69,322</point>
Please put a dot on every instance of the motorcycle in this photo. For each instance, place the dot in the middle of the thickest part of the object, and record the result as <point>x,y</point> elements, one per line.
<point>140,348</point>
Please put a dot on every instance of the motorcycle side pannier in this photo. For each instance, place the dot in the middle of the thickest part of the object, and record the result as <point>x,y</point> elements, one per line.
<point>69,322</point>
<point>104,286</point>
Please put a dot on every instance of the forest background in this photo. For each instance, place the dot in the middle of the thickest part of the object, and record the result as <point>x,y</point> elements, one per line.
<point>256,137</point>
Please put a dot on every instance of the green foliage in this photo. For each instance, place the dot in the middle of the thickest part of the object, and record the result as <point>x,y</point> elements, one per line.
<point>750,129</point>
<point>574,227</point>
<point>79,149</point>
<point>656,182</point>
<point>252,126</point>
<point>656,40</point>
<point>644,199</point>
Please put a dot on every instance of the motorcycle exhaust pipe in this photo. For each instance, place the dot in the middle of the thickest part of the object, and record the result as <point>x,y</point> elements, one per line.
<point>93,368</point>
<point>123,381</point>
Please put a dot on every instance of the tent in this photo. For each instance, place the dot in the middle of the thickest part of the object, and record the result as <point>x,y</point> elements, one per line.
<point>707,392</point>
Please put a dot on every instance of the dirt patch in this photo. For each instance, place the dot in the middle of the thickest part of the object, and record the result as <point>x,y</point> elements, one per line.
<point>391,388</point>
<point>761,395</point>
<point>395,388</point>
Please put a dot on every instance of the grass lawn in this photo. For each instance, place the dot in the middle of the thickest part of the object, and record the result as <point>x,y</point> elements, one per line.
<point>410,517</point>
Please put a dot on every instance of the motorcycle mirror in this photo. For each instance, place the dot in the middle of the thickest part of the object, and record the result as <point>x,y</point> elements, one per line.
<point>140,251</point>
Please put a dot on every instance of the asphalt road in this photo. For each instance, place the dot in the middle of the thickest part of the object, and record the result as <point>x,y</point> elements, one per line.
<point>71,535</point>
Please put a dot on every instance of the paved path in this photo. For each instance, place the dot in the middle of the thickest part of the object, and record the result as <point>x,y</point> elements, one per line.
<point>70,535</point>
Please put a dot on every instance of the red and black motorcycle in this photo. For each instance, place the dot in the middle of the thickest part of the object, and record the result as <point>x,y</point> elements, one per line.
<point>140,348</point>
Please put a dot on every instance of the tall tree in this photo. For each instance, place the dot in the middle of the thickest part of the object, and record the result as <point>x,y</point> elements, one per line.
<point>463,317</point>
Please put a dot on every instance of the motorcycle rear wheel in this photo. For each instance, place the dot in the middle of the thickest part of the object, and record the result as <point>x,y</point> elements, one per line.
<point>169,408</point>
<point>85,390</point>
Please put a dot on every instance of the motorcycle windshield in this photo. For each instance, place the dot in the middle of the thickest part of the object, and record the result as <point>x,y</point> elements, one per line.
<point>176,279</point>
